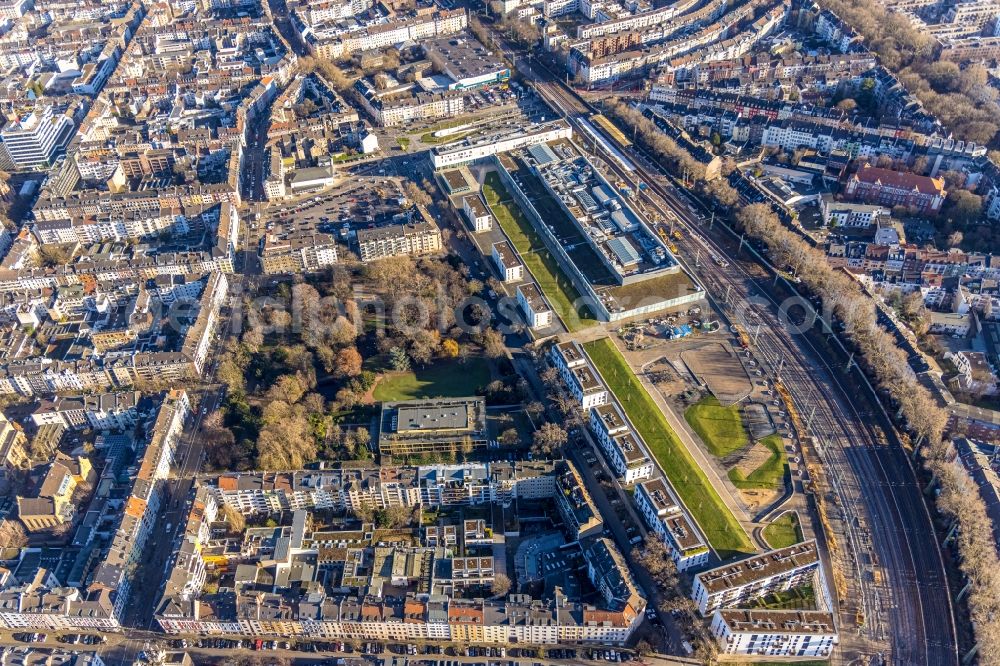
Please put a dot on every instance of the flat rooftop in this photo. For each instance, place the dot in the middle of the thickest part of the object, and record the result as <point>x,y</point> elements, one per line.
<point>476,204</point>
<point>455,180</point>
<point>610,416</point>
<point>628,444</point>
<point>587,379</point>
<point>450,417</point>
<point>506,254</point>
<point>434,419</point>
<point>660,496</point>
<point>779,621</point>
<point>683,533</point>
<point>663,287</point>
<point>533,297</point>
<point>464,56</point>
<point>753,569</point>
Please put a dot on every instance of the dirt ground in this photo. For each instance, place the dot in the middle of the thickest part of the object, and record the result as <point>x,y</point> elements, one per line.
<point>665,377</point>
<point>758,498</point>
<point>754,457</point>
<point>716,364</point>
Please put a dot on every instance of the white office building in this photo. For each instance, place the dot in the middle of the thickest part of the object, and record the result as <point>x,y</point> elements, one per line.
<point>466,151</point>
<point>34,139</point>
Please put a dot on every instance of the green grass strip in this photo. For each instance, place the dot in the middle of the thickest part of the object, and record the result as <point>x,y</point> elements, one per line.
<point>771,473</point>
<point>720,428</point>
<point>716,521</point>
<point>551,279</point>
<point>784,531</point>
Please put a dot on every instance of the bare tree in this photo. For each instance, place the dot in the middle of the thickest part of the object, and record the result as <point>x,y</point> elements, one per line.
<point>12,535</point>
<point>237,522</point>
<point>548,439</point>
<point>501,584</point>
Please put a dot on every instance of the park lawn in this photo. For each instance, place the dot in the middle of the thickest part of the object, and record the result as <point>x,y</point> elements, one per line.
<point>784,531</point>
<point>448,379</point>
<point>522,234</point>
<point>556,286</point>
<point>403,142</point>
<point>721,529</point>
<point>720,428</point>
<point>771,474</point>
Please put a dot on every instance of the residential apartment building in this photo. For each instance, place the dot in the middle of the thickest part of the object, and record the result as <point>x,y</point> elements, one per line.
<point>407,106</point>
<point>347,570</point>
<point>893,188</point>
<point>580,515</point>
<point>842,214</point>
<point>45,602</point>
<point>327,39</point>
<point>342,617</point>
<point>297,251</point>
<point>103,411</point>
<point>578,374</point>
<point>477,213</point>
<point>379,488</point>
<point>13,446</point>
<point>49,505</point>
<point>506,260</point>
<point>187,566</point>
<point>620,443</point>
<point>123,368</point>
<point>774,633</point>
<point>733,584</point>
<point>415,238</point>
<point>666,516</point>
<point>610,575</point>
<point>536,311</point>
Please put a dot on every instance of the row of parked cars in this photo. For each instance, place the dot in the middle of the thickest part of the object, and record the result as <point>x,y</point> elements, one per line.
<point>72,639</point>
<point>610,655</point>
<point>381,648</point>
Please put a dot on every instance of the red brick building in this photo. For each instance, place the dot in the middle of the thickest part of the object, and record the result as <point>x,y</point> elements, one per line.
<point>894,188</point>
